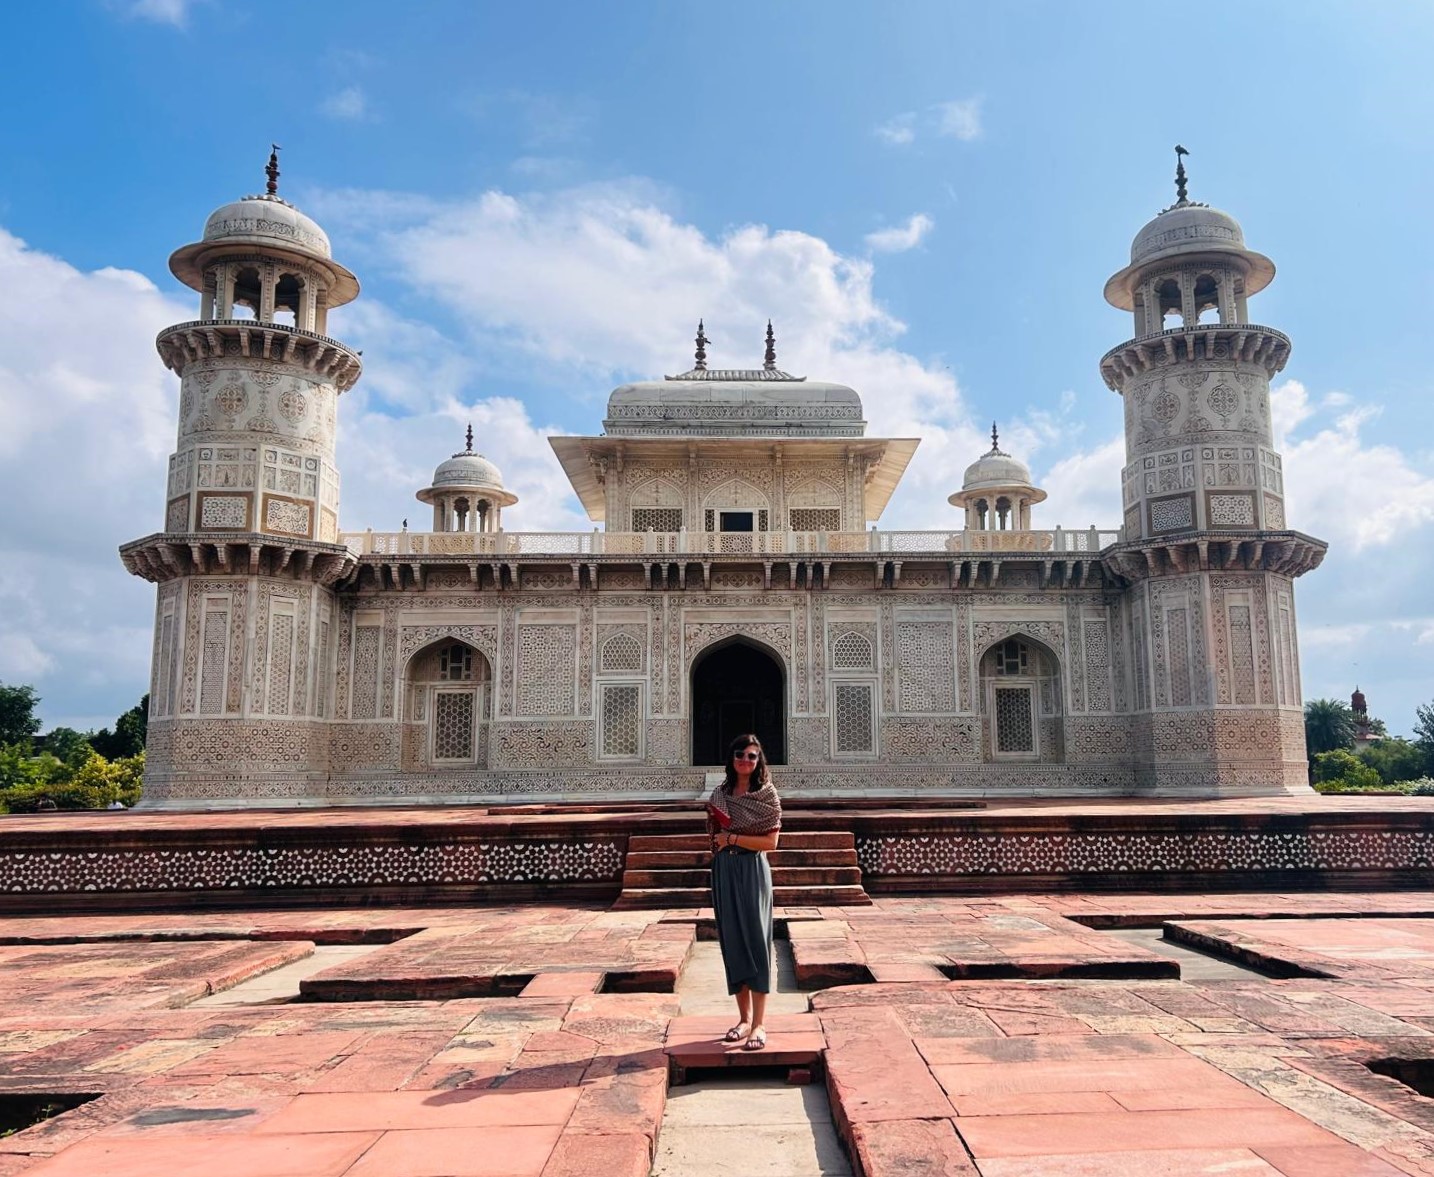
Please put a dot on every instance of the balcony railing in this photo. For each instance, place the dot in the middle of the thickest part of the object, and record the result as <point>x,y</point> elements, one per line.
<point>1057,542</point>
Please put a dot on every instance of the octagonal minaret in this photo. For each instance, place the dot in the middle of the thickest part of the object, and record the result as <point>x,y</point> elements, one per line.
<point>249,551</point>
<point>1206,553</point>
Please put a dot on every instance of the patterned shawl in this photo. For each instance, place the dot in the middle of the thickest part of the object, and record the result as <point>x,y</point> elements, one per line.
<point>751,813</point>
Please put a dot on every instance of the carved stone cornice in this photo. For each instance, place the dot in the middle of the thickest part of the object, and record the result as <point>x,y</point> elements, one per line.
<point>158,558</point>
<point>1242,342</point>
<point>206,339</point>
<point>1286,553</point>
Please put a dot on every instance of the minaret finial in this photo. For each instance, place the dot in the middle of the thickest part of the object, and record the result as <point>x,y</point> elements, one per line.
<point>470,437</point>
<point>272,170</point>
<point>769,357</point>
<point>701,364</point>
<point>1180,195</point>
<point>994,438</point>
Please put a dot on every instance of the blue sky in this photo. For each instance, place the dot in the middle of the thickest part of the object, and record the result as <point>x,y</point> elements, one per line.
<point>542,199</point>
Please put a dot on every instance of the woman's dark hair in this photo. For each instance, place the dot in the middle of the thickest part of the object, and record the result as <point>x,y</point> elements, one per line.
<point>761,777</point>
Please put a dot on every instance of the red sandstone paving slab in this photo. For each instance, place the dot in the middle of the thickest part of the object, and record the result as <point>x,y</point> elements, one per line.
<point>1026,1136</point>
<point>875,1073</point>
<point>1154,1076</point>
<point>564,984</point>
<point>460,1152</point>
<point>386,1111</point>
<point>910,1148</point>
<point>606,1155</point>
<point>385,1062</point>
<point>1333,1160</point>
<point>272,1055</point>
<point>327,1154</point>
<point>1191,1162</point>
<point>95,980</point>
<point>1056,1048</point>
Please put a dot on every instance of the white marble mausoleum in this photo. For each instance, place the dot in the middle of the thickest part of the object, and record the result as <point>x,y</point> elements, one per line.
<point>741,575</point>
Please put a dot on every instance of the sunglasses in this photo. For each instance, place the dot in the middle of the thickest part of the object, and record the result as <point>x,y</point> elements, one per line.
<point>747,756</point>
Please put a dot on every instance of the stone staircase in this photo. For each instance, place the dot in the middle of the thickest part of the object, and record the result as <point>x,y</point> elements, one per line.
<point>808,870</point>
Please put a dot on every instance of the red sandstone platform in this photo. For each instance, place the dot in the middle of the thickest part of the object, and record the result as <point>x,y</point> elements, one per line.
<point>1309,1076</point>
<point>118,861</point>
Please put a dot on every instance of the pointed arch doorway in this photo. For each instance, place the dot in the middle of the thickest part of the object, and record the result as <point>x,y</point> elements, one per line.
<point>738,686</point>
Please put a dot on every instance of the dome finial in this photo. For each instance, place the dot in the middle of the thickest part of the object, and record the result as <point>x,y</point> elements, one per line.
<point>272,170</point>
<point>469,438</point>
<point>1181,197</point>
<point>995,439</point>
<point>769,357</point>
<point>701,363</point>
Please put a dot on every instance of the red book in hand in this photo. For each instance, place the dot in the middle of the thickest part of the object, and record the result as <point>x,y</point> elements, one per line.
<point>718,818</point>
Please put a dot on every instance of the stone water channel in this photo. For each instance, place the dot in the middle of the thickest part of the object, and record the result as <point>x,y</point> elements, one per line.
<point>752,1125</point>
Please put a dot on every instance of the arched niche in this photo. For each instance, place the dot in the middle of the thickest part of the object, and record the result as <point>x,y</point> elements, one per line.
<point>1022,717</point>
<point>738,685</point>
<point>448,698</point>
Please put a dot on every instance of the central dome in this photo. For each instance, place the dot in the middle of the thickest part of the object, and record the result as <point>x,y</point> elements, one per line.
<point>470,471</point>
<point>737,402</point>
<point>996,471</point>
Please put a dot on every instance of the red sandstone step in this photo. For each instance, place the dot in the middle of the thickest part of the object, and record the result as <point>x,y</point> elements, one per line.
<point>804,840</point>
<point>782,876</point>
<point>655,897</point>
<point>688,859</point>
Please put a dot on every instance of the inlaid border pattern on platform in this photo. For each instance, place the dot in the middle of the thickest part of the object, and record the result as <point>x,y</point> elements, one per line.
<point>1208,852</point>
<point>229,868</point>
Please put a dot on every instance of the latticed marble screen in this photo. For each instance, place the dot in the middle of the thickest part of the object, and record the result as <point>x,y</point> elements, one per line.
<point>622,652</point>
<point>622,720</point>
<point>547,656</point>
<point>925,660</point>
<point>814,519</point>
<point>453,713</point>
<point>664,519</point>
<point>852,716</point>
<point>851,651</point>
<point>1015,726</point>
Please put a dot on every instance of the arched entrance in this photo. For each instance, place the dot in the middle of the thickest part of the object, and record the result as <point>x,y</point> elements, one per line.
<point>737,687</point>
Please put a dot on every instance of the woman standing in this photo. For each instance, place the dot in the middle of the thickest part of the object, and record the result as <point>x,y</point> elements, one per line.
<point>744,820</point>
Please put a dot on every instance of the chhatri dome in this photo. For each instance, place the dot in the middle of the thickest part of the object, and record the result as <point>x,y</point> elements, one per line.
<point>1188,231</point>
<point>270,225</point>
<point>726,402</point>
<point>467,493</point>
<point>997,492</point>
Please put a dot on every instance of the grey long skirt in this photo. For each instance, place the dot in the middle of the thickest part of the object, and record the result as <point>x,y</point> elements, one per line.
<point>742,903</point>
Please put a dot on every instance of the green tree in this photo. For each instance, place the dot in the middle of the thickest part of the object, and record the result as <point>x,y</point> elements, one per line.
<point>1329,724</point>
<point>1424,734</point>
<point>127,738</point>
<point>1346,768</point>
<point>66,744</point>
<point>18,721</point>
<point>1394,759</point>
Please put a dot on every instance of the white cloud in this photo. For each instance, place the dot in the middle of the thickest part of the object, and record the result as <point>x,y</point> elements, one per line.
<point>348,104</point>
<point>1341,488</point>
<point>956,119</point>
<point>170,12</point>
<point>960,120</point>
<point>86,423</point>
<point>899,130</point>
<point>899,238</point>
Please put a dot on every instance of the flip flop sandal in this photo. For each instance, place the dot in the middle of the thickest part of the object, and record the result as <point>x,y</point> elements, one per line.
<point>756,1041</point>
<point>736,1033</point>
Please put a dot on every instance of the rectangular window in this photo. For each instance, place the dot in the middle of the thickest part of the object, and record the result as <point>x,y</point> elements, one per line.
<point>1015,721</point>
<point>453,715</point>
<point>622,721</point>
<point>853,721</point>
<point>814,519</point>
<point>664,520</point>
<point>737,521</point>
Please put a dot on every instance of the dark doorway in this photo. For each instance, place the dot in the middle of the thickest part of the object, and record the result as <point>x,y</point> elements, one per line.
<point>736,521</point>
<point>737,688</point>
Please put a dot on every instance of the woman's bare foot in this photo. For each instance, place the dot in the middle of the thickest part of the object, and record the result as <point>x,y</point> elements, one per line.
<point>736,1033</point>
<point>757,1039</point>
